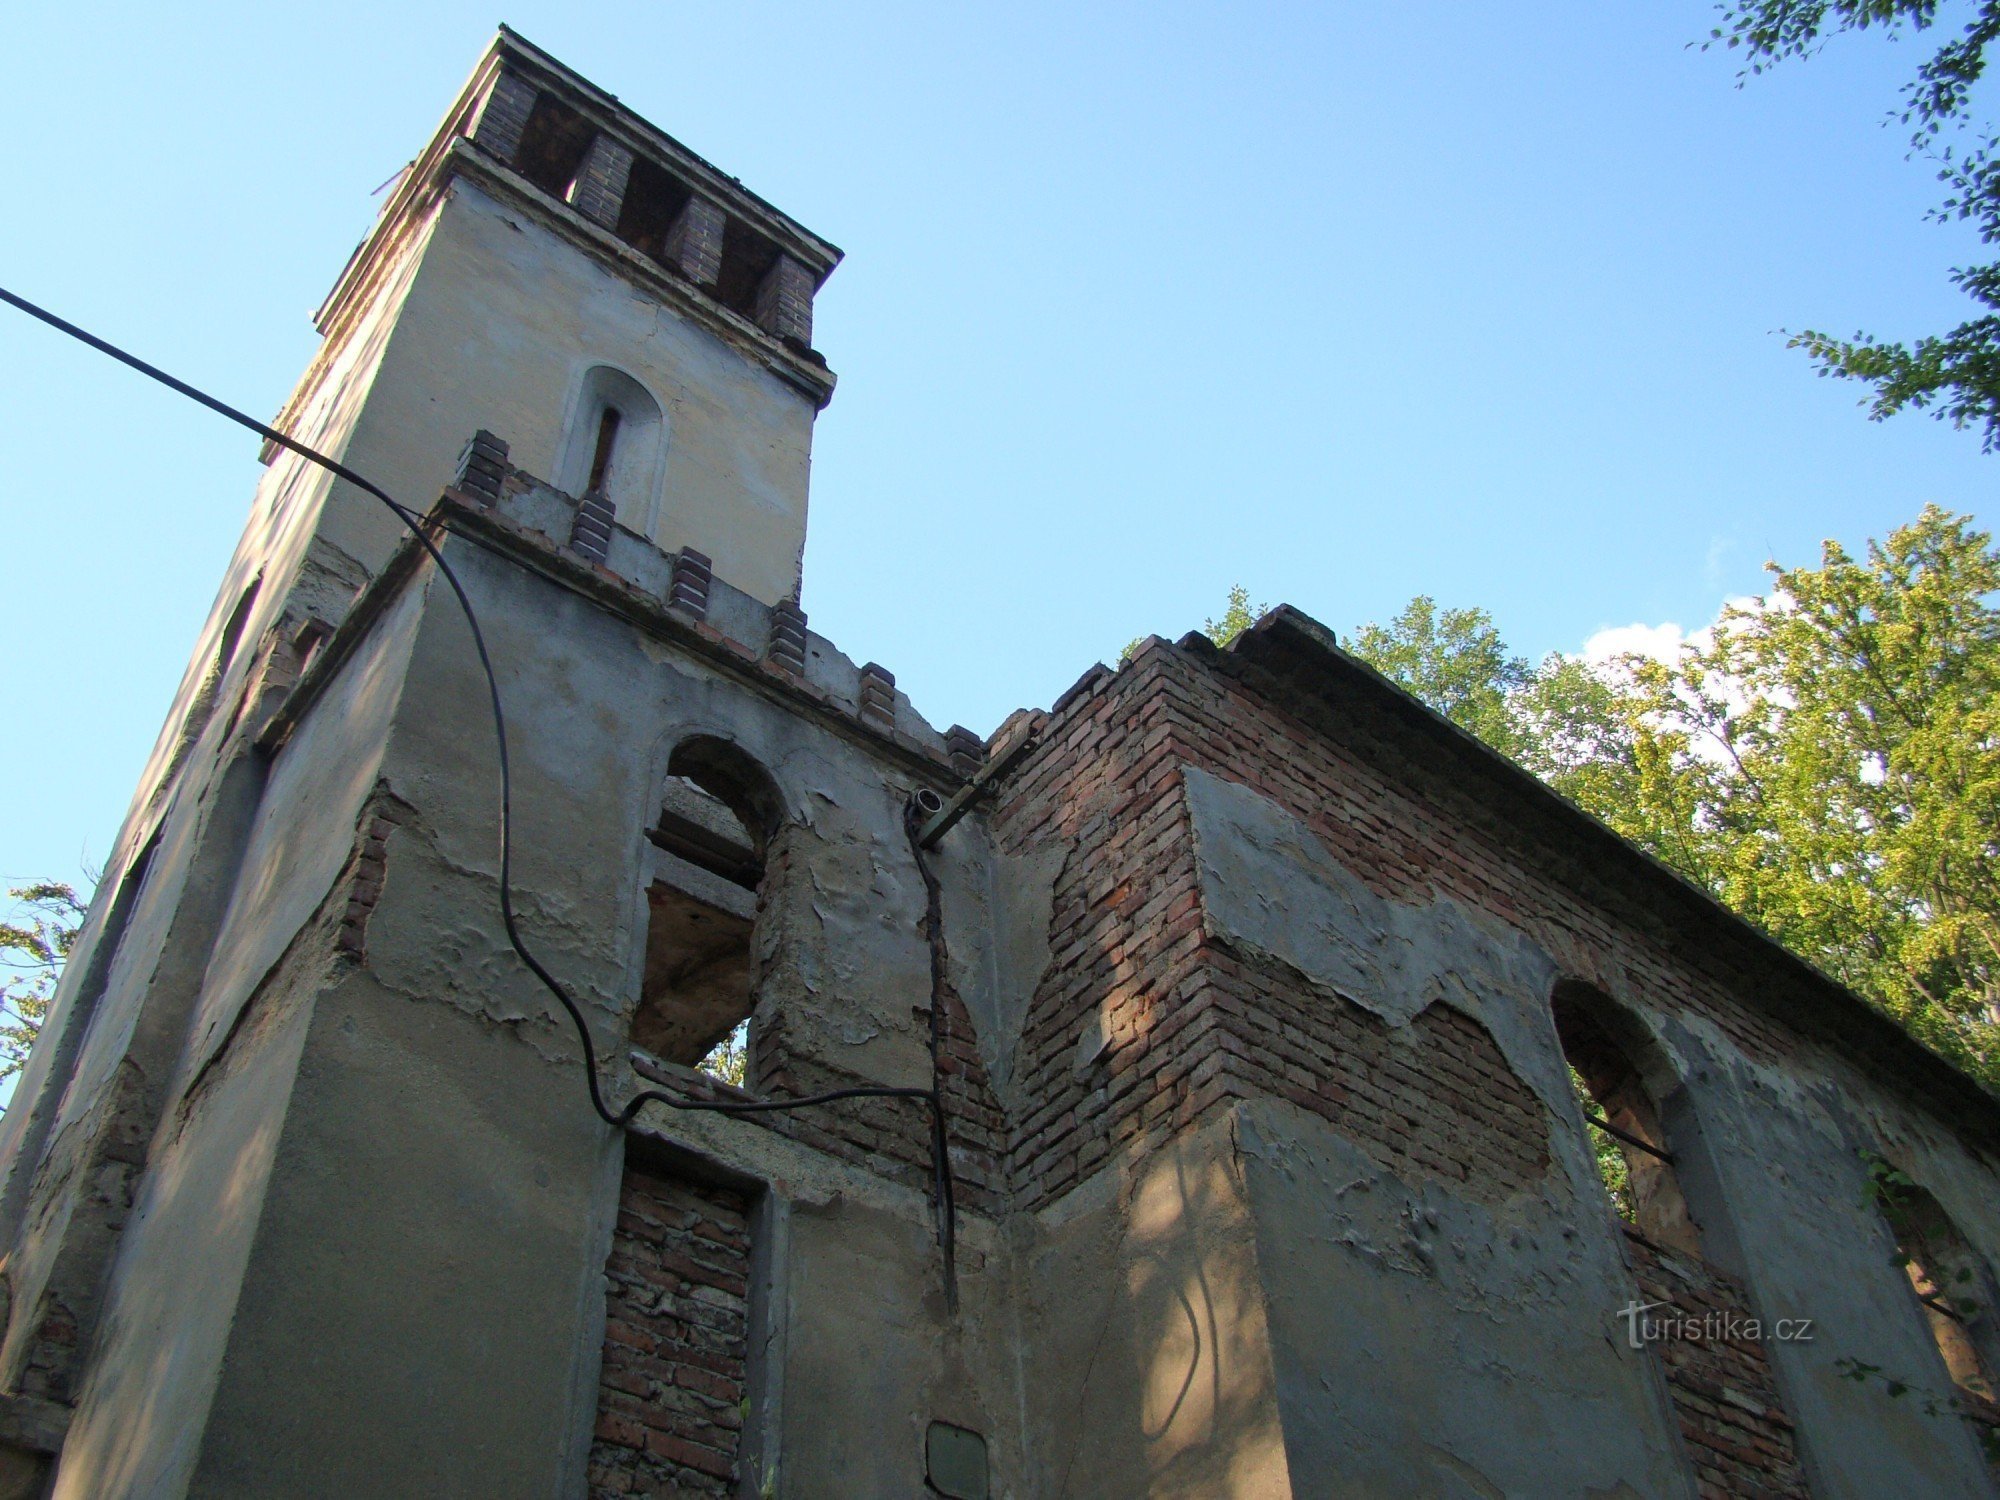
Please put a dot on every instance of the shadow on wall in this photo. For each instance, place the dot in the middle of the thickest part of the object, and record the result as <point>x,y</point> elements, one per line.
<point>1177,1382</point>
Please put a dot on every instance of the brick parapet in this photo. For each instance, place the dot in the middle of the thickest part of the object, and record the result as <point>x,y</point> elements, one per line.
<point>504,115</point>
<point>1124,935</point>
<point>784,305</point>
<point>694,241</point>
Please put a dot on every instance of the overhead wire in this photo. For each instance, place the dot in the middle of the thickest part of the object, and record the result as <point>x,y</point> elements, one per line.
<point>622,1119</point>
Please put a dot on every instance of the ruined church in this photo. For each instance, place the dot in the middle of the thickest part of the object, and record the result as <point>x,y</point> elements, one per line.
<point>1194,1088</point>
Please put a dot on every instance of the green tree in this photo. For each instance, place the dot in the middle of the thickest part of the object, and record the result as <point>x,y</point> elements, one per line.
<point>1237,617</point>
<point>1455,661</point>
<point>729,1058</point>
<point>1955,373</point>
<point>1835,753</point>
<point>34,946</point>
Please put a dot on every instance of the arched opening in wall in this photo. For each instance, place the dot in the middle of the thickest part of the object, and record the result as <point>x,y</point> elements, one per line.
<point>718,814</point>
<point>615,445</point>
<point>1952,1284</point>
<point>1605,1048</point>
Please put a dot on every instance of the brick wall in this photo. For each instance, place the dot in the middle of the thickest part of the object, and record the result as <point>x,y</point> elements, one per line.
<point>891,1137</point>
<point>1732,1423</point>
<point>1124,940</point>
<point>1190,1022</point>
<point>671,1389</point>
<point>1435,1098</point>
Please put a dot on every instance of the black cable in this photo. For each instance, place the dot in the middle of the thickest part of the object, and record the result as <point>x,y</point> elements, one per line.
<point>941,1183</point>
<point>415,523</point>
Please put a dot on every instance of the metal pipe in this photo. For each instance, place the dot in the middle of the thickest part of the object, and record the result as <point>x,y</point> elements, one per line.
<point>1628,1138</point>
<point>936,824</point>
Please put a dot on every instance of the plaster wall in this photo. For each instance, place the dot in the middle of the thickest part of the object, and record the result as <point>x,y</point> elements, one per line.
<point>1789,1198</point>
<point>498,330</point>
<point>174,1286</point>
<point>1406,880</point>
<point>1143,1328</point>
<point>1426,1341</point>
<point>434,1216</point>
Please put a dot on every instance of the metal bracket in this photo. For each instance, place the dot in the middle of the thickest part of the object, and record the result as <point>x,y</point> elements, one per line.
<point>968,796</point>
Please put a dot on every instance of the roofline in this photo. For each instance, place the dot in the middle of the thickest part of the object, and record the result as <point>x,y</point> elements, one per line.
<point>1302,654</point>
<point>819,255</point>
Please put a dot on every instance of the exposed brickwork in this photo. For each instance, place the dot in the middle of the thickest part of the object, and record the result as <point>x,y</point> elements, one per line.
<point>785,301</point>
<point>1435,1098</point>
<point>1104,786</point>
<point>1414,834</point>
<point>889,1136</point>
<point>590,532</point>
<point>1732,1423</point>
<point>966,749</point>
<point>693,572</point>
<point>50,1367</point>
<point>482,467</point>
<point>787,648</point>
<point>878,696</point>
<point>676,1335</point>
<point>367,867</point>
<point>505,116</point>
<point>599,190</point>
<point>694,242</point>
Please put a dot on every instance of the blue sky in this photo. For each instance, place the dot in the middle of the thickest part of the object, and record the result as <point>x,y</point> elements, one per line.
<point>1340,302</point>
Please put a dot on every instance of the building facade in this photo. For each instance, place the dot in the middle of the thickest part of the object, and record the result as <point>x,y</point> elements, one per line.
<point>1223,1055</point>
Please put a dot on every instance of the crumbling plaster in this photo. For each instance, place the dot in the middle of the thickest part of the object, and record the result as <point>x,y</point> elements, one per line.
<point>1370,1280</point>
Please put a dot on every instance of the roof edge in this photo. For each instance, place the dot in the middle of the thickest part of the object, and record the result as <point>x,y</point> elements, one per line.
<point>1296,650</point>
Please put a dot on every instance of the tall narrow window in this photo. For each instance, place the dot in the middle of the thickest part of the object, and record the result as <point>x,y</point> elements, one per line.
<point>600,461</point>
<point>615,444</point>
<point>1627,1138</point>
<point>717,815</point>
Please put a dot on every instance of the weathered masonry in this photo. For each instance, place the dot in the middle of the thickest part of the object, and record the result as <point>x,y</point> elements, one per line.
<point>1271,1023</point>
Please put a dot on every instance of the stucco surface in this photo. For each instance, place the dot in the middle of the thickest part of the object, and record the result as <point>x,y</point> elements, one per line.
<point>497,333</point>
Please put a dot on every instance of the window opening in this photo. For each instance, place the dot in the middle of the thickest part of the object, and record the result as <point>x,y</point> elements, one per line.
<point>653,200</point>
<point>746,258</point>
<point>600,460</point>
<point>716,814</point>
<point>1633,1157</point>
<point>553,144</point>
<point>615,444</point>
<point>1952,1284</point>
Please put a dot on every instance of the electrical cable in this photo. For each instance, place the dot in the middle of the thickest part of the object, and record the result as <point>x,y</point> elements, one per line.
<point>941,1166</point>
<point>941,1184</point>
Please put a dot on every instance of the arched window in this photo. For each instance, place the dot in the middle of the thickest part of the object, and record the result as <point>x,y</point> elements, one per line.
<point>1605,1049</point>
<point>718,815</point>
<point>616,445</point>
<point>1951,1282</point>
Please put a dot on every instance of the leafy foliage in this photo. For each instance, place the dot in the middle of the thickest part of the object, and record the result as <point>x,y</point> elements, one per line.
<point>1956,373</point>
<point>1238,617</point>
<point>1612,1168</point>
<point>728,1058</point>
<point>34,946</point>
<point>1454,660</point>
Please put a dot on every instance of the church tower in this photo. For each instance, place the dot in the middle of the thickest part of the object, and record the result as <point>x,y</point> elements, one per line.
<point>1175,1095</point>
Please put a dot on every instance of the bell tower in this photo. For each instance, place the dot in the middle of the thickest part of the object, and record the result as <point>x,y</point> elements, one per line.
<point>637,323</point>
